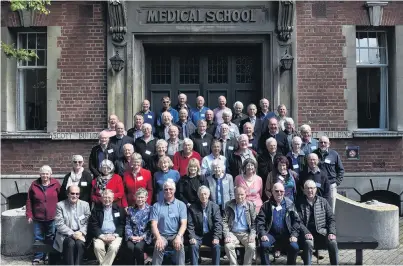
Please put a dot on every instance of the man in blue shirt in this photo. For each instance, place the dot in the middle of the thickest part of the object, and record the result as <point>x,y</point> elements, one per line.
<point>199,112</point>
<point>148,115</point>
<point>168,224</point>
<point>204,226</point>
<point>166,107</point>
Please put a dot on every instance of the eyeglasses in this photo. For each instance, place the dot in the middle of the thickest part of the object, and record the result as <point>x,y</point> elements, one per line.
<point>279,191</point>
<point>77,162</point>
<point>74,194</point>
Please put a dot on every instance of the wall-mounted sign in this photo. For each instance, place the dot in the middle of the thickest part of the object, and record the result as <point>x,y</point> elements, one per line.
<point>333,134</point>
<point>353,152</point>
<point>200,16</point>
<point>74,135</point>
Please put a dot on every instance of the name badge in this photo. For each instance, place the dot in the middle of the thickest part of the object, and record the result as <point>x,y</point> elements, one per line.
<point>250,145</point>
<point>116,214</point>
<point>328,161</point>
<point>110,150</point>
<point>202,115</point>
<point>82,217</point>
<point>225,181</point>
<point>231,129</point>
<point>318,185</point>
<point>313,147</point>
<point>83,184</point>
<point>171,215</point>
<point>150,116</point>
<point>204,144</point>
<point>252,190</point>
<point>148,152</point>
<point>279,208</point>
<point>140,178</point>
<point>231,148</point>
<point>281,178</point>
<point>295,166</point>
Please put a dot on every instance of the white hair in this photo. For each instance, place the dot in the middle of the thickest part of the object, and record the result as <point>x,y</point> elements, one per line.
<point>77,158</point>
<point>201,188</point>
<point>270,140</point>
<point>305,127</point>
<point>238,103</point>
<point>146,125</point>
<point>161,142</point>
<point>296,138</point>
<point>218,162</point>
<point>251,105</point>
<point>169,182</point>
<point>309,182</point>
<point>108,164</point>
<point>130,146</point>
<point>187,141</point>
<point>288,121</point>
<point>184,110</point>
<point>45,169</point>
<point>242,136</point>
<point>227,112</point>
<point>107,191</point>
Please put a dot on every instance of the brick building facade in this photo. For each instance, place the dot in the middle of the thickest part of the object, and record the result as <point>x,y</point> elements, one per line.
<point>321,88</point>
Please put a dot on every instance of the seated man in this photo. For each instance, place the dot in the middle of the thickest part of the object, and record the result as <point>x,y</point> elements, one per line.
<point>204,226</point>
<point>317,224</point>
<point>278,223</point>
<point>107,224</point>
<point>71,226</point>
<point>168,224</point>
<point>239,226</point>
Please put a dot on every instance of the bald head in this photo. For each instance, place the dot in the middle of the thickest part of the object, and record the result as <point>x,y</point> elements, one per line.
<point>120,129</point>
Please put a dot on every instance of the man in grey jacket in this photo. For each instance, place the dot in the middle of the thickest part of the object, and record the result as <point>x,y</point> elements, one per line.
<point>317,224</point>
<point>239,226</point>
<point>71,224</point>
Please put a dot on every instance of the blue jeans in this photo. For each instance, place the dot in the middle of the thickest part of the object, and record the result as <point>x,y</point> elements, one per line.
<point>207,240</point>
<point>282,243</point>
<point>43,231</point>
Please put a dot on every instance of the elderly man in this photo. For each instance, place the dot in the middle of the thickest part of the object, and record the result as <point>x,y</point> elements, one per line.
<point>296,157</point>
<point>207,161</point>
<point>278,224</point>
<point>309,144</point>
<point>168,224</point>
<point>253,119</point>
<point>253,138</point>
<point>200,111</point>
<point>233,128</point>
<point>145,145</point>
<point>161,131</point>
<point>103,151</point>
<point>264,113</point>
<point>112,121</point>
<point>136,132</point>
<point>119,140</point>
<point>330,163</point>
<point>174,143</point>
<point>239,226</point>
<point>211,124</point>
<point>266,159</point>
<point>123,164</point>
<point>238,115</point>
<point>228,144</point>
<point>188,128</point>
<point>222,102</point>
<point>274,132</point>
<point>282,115</point>
<point>312,172</point>
<point>317,224</point>
<point>71,226</point>
<point>182,104</point>
<point>166,107</point>
<point>201,139</point>
<point>289,130</point>
<point>107,223</point>
<point>182,158</point>
<point>204,226</point>
<point>236,159</point>
<point>148,115</point>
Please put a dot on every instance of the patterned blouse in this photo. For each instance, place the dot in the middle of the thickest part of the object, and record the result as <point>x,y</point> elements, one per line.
<point>137,223</point>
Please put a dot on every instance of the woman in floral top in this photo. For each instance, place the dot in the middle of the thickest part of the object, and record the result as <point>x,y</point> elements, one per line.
<point>138,230</point>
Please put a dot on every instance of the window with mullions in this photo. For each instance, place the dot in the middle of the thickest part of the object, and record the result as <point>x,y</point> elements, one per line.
<point>161,70</point>
<point>31,85</point>
<point>244,69</point>
<point>189,70</point>
<point>217,69</point>
<point>372,79</point>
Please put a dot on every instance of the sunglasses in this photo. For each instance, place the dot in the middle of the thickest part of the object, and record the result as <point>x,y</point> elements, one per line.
<point>279,191</point>
<point>75,194</point>
<point>77,162</point>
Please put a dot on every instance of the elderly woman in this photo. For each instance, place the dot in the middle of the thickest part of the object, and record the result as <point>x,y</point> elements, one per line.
<point>174,143</point>
<point>123,164</point>
<point>289,130</point>
<point>253,183</point>
<point>181,158</point>
<point>151,163</point>
<point>41,208</point>
<point>190,183</point>
<point>206,166</point>
<point>145,145</point>
<point>282,174</point>
<point>137,229</point>
<point>78,177</point>
<point>238,115</point>
<point>108,180</point>
<point>137,178</point>
<point>166,173</point>
<point>296,157</point>
<point>221,185</point>
<point>236,159</point>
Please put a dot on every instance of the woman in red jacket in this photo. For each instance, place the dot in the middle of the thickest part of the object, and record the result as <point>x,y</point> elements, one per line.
<point>108,180</point>
<point>137,178</point>
<point>41,208</point>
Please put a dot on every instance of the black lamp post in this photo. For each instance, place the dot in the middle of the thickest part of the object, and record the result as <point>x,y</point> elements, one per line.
<point>286,61</point>
<point>117,62</point>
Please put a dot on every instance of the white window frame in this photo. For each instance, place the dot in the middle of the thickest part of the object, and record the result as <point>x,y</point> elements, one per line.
<point>384,91</point>
<point>20,97</point>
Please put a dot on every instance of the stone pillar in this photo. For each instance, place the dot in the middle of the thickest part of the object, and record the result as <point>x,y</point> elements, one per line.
<point>138,75</point>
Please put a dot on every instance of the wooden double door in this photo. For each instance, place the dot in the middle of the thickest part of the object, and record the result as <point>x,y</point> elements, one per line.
<point>209,71</point>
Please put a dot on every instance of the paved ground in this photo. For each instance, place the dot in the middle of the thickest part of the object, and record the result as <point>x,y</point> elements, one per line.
<point>347,257</point>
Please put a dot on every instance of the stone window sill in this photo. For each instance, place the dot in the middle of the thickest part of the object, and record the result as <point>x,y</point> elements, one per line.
<point>377,134</point>
<point>25,135</point>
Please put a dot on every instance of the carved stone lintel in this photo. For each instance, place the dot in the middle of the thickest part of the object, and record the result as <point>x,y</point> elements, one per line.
<point>117,20</point>
<point>375,11</point>
<point>285,19</point>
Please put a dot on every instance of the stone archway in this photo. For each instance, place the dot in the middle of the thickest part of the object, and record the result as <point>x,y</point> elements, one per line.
<point>384,196</point>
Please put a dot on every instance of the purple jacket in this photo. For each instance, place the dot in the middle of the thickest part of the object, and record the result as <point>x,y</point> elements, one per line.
<point>41,205</point>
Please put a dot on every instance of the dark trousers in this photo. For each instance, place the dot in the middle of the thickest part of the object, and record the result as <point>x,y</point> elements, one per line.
<point>282,243</point>
<point>73,251</point>
<point>320,241</point>
<point>136,252</point>
<point>208,241</point>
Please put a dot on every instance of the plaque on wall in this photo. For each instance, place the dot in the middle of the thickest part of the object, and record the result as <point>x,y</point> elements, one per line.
<point>352,152</point>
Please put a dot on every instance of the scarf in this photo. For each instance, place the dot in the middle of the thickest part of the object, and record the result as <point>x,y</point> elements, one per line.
<point>74,177</point>
<point>103,181</point>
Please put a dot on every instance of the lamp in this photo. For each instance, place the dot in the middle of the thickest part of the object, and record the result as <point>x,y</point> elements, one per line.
<point>286,61</point>
<point>117,62</point>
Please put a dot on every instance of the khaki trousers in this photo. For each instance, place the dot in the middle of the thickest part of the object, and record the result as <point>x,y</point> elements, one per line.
<point>242,238</point>
<point>106,257</point>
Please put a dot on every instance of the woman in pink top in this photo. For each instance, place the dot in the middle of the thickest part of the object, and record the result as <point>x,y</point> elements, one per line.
<point>252,182</point>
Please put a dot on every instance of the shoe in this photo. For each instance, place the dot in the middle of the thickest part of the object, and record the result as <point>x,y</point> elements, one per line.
<point>316,254</point>
<point>277,254</point>
<point>36,261</point>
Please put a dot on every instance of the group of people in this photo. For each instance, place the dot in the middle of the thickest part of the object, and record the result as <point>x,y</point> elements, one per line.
<point>191,177</point>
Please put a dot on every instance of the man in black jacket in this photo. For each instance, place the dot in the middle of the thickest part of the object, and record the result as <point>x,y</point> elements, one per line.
<point>106,225</point>
<point>103,151</point>
<point>201,139</point>
<point>119,140</point>
<point>204,226</point>
<point>278,223</point>
<point>317,224</point>
<point>274,132</point>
